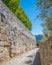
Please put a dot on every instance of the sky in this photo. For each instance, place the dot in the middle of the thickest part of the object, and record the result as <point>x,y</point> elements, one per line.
<point>30,8</point>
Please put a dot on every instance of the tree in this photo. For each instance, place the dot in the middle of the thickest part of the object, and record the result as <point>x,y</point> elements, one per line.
<point>45,7</point>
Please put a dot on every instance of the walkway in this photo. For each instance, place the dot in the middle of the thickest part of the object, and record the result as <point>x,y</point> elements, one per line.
<point>27,58</point>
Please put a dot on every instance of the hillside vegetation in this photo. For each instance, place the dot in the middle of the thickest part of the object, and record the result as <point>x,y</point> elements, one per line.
<point>39,37</point>
<point>14,6</point>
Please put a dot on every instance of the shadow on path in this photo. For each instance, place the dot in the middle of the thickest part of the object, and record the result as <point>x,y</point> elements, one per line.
<point>37,59</point>
<point>29,62</point>
<point>30,59</point>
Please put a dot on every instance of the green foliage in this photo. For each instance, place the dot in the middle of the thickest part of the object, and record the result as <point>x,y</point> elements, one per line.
<point>45,7</point>
<point>47,25</point>
<point>19,12</point>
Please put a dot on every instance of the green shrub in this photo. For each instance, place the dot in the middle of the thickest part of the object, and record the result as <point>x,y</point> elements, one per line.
<point>14,6</point>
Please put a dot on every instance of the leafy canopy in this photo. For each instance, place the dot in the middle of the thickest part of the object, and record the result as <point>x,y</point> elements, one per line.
<point>45,7</point>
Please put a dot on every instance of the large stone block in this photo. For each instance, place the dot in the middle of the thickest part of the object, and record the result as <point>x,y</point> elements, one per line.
<point>2,29</point>
<point>2,43</point>
<point>3,37</point>
<point>3,52</point>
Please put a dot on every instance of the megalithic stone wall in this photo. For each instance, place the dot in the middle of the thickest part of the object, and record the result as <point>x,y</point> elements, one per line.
<point>15,38</point>
<point>46,52</point>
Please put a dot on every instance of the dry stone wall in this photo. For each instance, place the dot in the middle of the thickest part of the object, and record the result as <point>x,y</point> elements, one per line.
<point>15,38</point>
<point>46,52</point>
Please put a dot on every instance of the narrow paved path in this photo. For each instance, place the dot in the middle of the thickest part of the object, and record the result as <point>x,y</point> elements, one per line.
<point>24,59</point>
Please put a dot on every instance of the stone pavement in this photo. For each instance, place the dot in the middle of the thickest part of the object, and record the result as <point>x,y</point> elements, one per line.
<point>24,59</point>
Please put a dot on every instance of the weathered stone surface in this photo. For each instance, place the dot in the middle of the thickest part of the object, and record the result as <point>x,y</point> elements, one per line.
<point>13,34</point>
<point>46,52</point>
<point>3,37</point>
<point>3,52</point>
<point>1,43</point>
